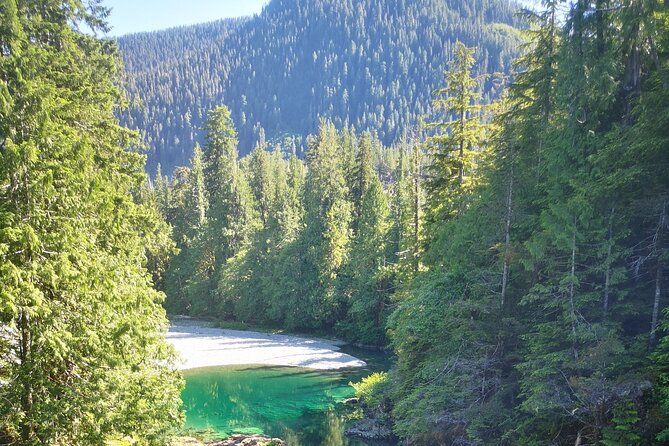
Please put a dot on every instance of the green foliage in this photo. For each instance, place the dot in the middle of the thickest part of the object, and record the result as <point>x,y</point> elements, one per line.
<point>83,357</point>
<point>661,362</point>
<point>455,150</point>
<point>372,389</point>
<point>522,291</point>
<point>447,359</point>
<point>370,277</point>
<point>312,252</point>
<point>551,275</point>
<point>622,429</point>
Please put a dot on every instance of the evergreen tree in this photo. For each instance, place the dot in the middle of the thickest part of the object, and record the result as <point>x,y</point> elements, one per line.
<point>406,195</point>
<point>187,215</point>
<point>83,357</point>
<point>327,219</point>
<point>231,217</point>
<point>294,206</point>
<point>454,151</point>
<point>199,195</point>
<point>371,282</point>
<point>370,66</point>
<point>261,179</point>
<point>245,287</point>
<point>363,173</point>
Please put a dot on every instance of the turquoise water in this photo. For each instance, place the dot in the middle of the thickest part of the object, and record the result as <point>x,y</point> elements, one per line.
<point>299,405</point>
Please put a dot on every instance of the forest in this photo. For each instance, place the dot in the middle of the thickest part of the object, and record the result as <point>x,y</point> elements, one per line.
<point>367,64</point>
<point>83,359</point>
<point>512,250</point>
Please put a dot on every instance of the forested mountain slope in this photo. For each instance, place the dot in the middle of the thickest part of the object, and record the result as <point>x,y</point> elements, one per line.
<point>517,265</point>
<point>365,63</point>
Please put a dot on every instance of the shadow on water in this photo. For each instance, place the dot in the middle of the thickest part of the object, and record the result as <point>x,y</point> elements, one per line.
<point>301,406</point>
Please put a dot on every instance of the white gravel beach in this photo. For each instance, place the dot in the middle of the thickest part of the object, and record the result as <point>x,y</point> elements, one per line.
<point>202,346</point>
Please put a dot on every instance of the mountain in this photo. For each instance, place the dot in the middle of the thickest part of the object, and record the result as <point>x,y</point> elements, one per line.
<point>370,64</point>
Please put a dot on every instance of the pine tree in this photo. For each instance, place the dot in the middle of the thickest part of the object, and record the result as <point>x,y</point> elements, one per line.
<point>294,207</point>
<point>622,432</point>
<point>187,215</point>
<point>363,172</point>
<point>406,192</point>
<point>327,218</point>
<point>455,150</point>
<point>197,180</point>
<point>261,181</point>
<point>231,217</point>
<point>371,281</point>
<point>82,324</point>
<point>245,288</point>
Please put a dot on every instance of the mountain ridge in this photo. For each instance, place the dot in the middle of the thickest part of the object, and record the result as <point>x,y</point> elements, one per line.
<point>361,63</point>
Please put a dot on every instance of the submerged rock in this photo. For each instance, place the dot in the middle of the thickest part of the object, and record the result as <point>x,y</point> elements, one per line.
<point>250,440</point>
<point>370,429</point>
<point>235,440</point>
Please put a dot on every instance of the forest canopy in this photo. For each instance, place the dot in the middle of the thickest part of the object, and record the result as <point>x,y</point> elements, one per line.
<point>513,253</point>
<point>370,65</point>
<point>512,250</point>
<point>83,359</point>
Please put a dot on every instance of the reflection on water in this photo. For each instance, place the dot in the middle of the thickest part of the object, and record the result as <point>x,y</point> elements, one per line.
<point>299,405</point>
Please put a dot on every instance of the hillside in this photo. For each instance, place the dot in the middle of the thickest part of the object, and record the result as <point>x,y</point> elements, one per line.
<point>364,63</point>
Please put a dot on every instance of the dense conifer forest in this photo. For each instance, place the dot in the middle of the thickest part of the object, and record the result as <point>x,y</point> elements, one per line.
<point>83,360</point>
<point>367,64</point>
<point>512,249</point>
<point>512,253</point>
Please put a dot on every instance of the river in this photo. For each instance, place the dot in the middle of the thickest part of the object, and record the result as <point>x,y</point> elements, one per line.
<point>301,405</point>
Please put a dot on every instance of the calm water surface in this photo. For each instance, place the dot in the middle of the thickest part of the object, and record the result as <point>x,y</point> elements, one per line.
<point>299,405</point>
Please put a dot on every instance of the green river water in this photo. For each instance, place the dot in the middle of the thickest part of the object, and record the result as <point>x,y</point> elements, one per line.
<point>298,405</point>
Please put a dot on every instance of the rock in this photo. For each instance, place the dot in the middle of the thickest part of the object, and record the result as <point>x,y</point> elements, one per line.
<point>370,429</point>
<point>186,441</point>
<point>250,440</point>
<point>351,401</point>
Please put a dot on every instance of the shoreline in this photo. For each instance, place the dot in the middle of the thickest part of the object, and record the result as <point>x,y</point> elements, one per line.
<point>201,346</point>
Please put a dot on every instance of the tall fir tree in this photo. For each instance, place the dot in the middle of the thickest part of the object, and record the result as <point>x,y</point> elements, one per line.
<point>327,217</point>
<point>85,359</point>
<point>372,281</point>
<point>455,149</point>
<point>231,217</point>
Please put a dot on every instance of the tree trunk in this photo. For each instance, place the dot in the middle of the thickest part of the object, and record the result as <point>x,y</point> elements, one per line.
<point>27,430</point>
<point>658,276</point>
<point>607,278</point>
<point>656,306</point>
<point>461,169</point>
<point>507,236</point>
<point>572,294</point>
<point>416,210</point>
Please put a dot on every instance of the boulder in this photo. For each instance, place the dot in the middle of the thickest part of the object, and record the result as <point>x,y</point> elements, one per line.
<point>370,429</point>
<point>250,440</point>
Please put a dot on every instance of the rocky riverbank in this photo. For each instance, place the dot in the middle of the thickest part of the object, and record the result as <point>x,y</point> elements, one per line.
<point>235,440</point>
<point>370,429</point>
